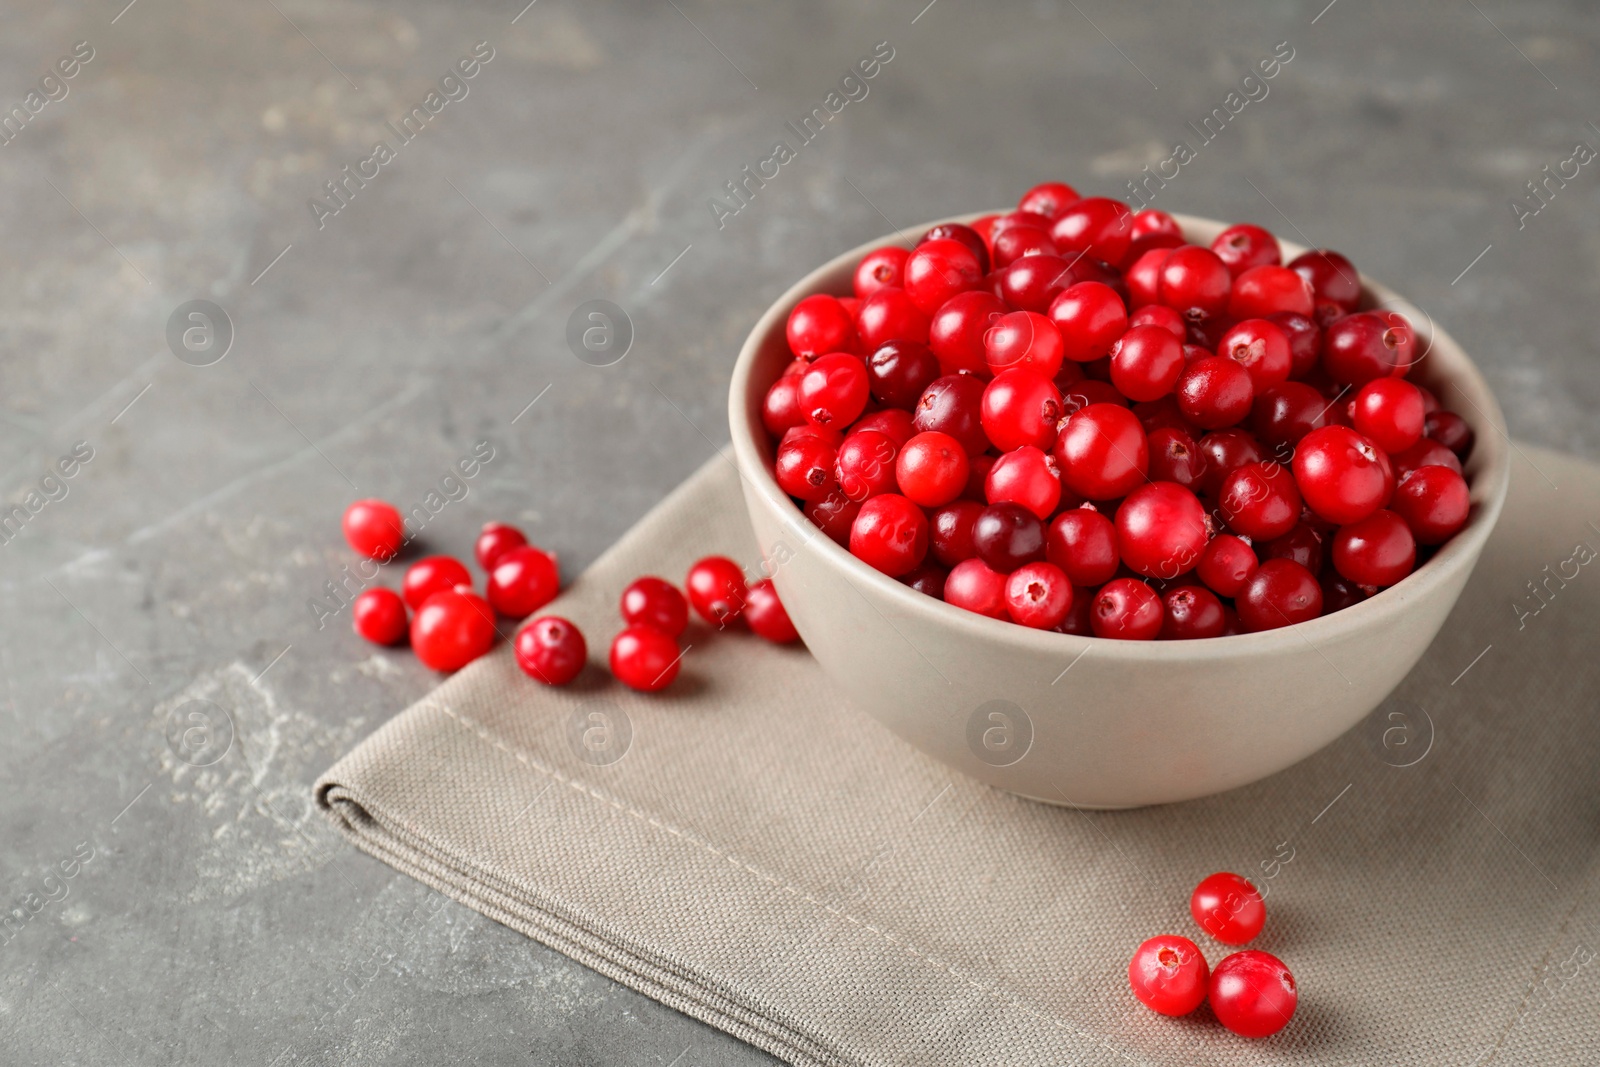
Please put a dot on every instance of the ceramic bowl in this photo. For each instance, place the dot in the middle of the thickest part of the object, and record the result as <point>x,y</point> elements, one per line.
<point>1091,722</point>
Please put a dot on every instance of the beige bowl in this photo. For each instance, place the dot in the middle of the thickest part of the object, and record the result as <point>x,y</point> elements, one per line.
<point>1086,721</point>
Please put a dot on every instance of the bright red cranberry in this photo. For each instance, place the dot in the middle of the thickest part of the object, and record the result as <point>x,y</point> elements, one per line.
<point>939,269</point>
<point>1128,610</point>
<point>1279,593</point>
<point>1342,476</point>
<point>975,586</point>
<point>1434,502</point>
<point>523,581</point>
<point>1102,452</point>
<point>899,371</point>
<point>1169,975</point>
<point>1191,611</point>
<point>932,469</point>
<point>374,529</point>
<point>1049,199</point>
<point>880,268</point>
<point>1174,457</point>
<point>1149,222</point>
<point>1083,543</point>
<point>1305,340</point>
<point>890,534</point>
<point>451,629</point>
<point>551,649</point>
<point>1225,451</point>
<point>834,514</point>
<point>1285,413</point>
<point>1264,291</point>
<point>894,423</point>
<point>1303,545</point>
<point>958,328</point>
<point>1260,500</point>
<point>1090,316</point>
<point>804,467</point>
<point>1360,347</point>
<point>1452,431</point>
<point>1425,453</point>
<point>1262,348</point>
<point>1228,908</point>
<point>379,615</point>
<point>954,405</point>
<point>950,531</point>
<point>1244,246</point>
<point>889,315</point>
<point>1162,316</point>
<point>1008,535</point>
<point>1038,595</point>
<point>1389,413</point>
<point>1146,362</point>
<point>780,409</point>
<point>1023,339</point>
<point>652,601</point>
<point>1016,243</point>
<point>955,231</point>
<point>1144,277</point>
<point>1032,283</point>
<point>645,659</point>
<point>1021,407</point>
<point>717,590</point>
<point>1094,225</point>
<point>1379,550</point>
<point>832,435</point>
<point>1161,530</point>
<point>1226,564</point>
<point>430,575</point>
<point>819,324</point>
<point>1252,993</point>
<point>1194,283</point>
<point>1214,392</point>
<point>764,613</point>
<point>1335,283</point>
<point>493,539</point>
<point>833,390</point>
<point>1027,476</point>
<point>866,464</point>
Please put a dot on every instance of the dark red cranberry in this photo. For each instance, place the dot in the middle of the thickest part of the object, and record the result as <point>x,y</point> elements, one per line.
<point>1226,563</point>
<point>1287,412</point>
<point>1335,284</point>
<point>1083,543</point>
<point>927,578</point>
<point>950,531</point>
<point>1434,502</point>
<point>1174,457</point>
<point>1008,535</point>
<point>1378,550</point>
<point>1360,347</point>
<point>1260,500</point>
<point>1425,453</point>
<point>953,404</point>
<point>955,231</point>
<point>958,328</point>
<point>1224,451</point>
<point>1280,593</point>
<point>1452,431</point>
<point>1303,544</point>
<point>1191,611</point>
<point>899,371</point>
<point>1305,340</point>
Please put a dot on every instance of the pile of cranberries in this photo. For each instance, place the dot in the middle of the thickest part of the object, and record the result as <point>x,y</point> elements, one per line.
<point>1069,417</point>
<point>1252,993</point>
<point>453,625</point>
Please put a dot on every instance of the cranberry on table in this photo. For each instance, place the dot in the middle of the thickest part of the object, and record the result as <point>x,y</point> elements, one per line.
<point>523,581</point>
<point>551,649</point>
<point>833,390</point>
<point>1434,502</point>
<point>1161,530</point>
<point>1020,407</point>
<point>974,585</point>
<point>1342,476</point>
<point>950,531</point>
<point>379,615</point>
<point>1007,535</point>
<point>1146,362</point>
<point>1174,457</point>
<point>645,659</point>
<point>1026,476</point>
<point>1279,593</point>
<point>865,464</point>
<point>430,575</point>
<point>652,601</point>
<point>1228,908</point>
<point>1191,611</point>
<point>818,325</point>
<point>1083,543</point>
<point>1090,316</point>
<point>374,529</point>
<point>1102,452</point>
<point>1215,392</point>
<point>958,328</point>
<point>899,371</point>
<point>717,590</point>
<point>451,629</point>
<point>1262,292</point>
<point>1260,500</point>
<point>890,534</point>
<point>889,315</point>
<point>1128,610</point>
<point>1244,246</point>
<point>1226,564</point>
<point>1038,595</point>
<point>954,405</point>
<point>1169,975</point>
<point>1379,550</point>
<point>879,268</point>
<point>765,615</point>
<point>1252,993</point>
<point>495,539</point>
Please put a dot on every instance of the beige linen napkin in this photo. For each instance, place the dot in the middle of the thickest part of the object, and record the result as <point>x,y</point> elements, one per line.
<point>751,851</point>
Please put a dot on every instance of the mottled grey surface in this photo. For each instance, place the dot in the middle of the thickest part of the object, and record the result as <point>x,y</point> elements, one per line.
<point>219,916</point>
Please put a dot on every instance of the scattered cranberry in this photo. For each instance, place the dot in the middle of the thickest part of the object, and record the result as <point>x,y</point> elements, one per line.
<point>644,658</point>
<point>374,529</point>
<point>452,628</point>
<point>494,540</point>
<point>551,650</point>
<point>717,590</point>
<point>765,615</point>
<point>652,601</point>
<point>523,581</point>
<point>430,575</point>
<point>379,615</point>
<point>1169,975</point>
<point>1228,908</point>
<point>1252,993</point>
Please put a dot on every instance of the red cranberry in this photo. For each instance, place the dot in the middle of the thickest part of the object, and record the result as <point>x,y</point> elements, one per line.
<point>894,423</point>
<point>652,601</point>
<point>451,629</point>
<point>939,269</point>
<point>866,464</point>
<point>1008,535</point>
<point>1434,502</point>
<point>374,529</point>
<point>1032,283</point>
<point>1090,316</point>
<point>834,514</point>
<point>1378,550</point>
<point>1335,284</point>
<point>1146,362</point>
<point>899,371</point>
<point>1285,413</point>
<point>1389,413</point>
<point>1019,242</point>
<point>1252,993</point>
<point>950,531</point>
<point>1191,611</point>
<point>494,539</point>
<point>1279,593</point>
<point>1161,530</point>
<point>1144,277</point>
<point>430,575</point>
<point>1261,348</point>
<point>645,659</point>
<point>890,534</point>
<point>1021,407</point>
<point>833,390</point>
<point>1226,564</point>
<point>1102,452</point>
<point>1263,291</point>
<point>765,615</point>
<point>1244,246</point>
<point>1088,391</point>
<point>932,469</point>
<point>379,615</point>
<point>1305,340</point>
<point>1452,431</point>
<point>1174,457</point>
<point>1025,476</point>
<point>717,590</point>
<point>1049,199</point>
<point>954,405</point>
<point>551,649</point>
<point>1038,595</point>
<point>1214,392</point>
<point>1128,610</point>
<point>1194,283</point>
<point>1425,453</point>
<point>1303,545</point>
<point>1169,975</point>
<point>1162,316</point>
<point>958,328</point>
<point>523,581</point>
<point>804,467</point>
<point>780,409</point>
<point>1342,476</point>
<point>1083,543</point>
<point>889,315</point>
<point>1097,225</point>
<point>1229,908</point>
<point>1260,500</point>
<point>927,578</point>
<point>1149,222</point>
<point>884,267</point>
<point>1360,347</point>
<point>1339,592</point>
<point>955,231</point>
<point>1023,339</point>
<point>1224,452</point>
<point>818,325</point>
<point>977,587</point>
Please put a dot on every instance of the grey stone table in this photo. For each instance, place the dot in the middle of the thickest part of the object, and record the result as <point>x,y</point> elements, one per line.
<point>166,912</point>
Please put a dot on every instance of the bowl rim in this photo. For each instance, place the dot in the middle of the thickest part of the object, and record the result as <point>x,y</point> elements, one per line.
<point>1489,466</point>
